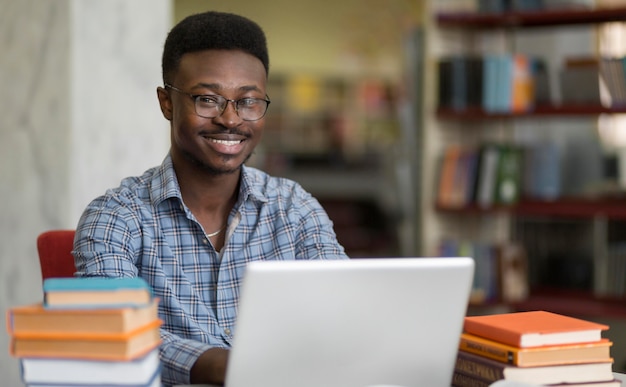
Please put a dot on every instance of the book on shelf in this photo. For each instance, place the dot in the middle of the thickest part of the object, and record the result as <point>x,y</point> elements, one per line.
<point>533,329</point>
<point>448,175</point>
<point>495,83</point>
<point>484,285</point>
<point>488,370</point>
<point>501,269</point>
<point>95,292</point>
<point>509,175</point>
<point>35,319</point>
<point>501,6</point>
<point>596,352</point>
<point>142,371</point>
<point>457,176</point>
<point>510,82</point>
<point>123,346</point>
<point>460,82</point>
<point>487,174</point>
<point>512,272</point>
<point>522,83</point>
<point>613,81</point>
<point>542,172</point>
<point>490,83</point>
<point>580,81</point>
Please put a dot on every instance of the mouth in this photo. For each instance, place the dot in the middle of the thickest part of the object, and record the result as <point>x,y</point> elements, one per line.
<point>225,142</point>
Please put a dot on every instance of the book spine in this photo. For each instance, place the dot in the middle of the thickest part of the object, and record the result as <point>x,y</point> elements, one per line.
<point>462,380</point>
<point>478,367</point>
<point>492,333</point>
<point>487,350</point>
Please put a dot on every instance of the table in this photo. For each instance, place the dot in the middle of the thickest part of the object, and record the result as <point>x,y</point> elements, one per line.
<point>621,377</point>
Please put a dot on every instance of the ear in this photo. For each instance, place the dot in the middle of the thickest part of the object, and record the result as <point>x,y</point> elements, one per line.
<point>165,102</point>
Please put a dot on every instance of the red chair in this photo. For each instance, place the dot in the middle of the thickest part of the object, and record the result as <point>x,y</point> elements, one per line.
<point>55,253</point>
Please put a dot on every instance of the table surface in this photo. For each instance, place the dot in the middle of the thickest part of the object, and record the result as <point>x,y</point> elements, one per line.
<point>621,377</point>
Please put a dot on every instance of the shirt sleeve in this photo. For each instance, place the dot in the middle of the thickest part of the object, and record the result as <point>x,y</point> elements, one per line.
<point>317,237</point>
<point>108,241</point>
<point>178,355</point>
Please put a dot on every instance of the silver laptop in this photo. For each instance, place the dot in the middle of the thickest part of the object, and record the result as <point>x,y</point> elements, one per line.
<point>353,323</point>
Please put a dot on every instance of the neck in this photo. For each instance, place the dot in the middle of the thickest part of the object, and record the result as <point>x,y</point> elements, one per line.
<point>209,197</point>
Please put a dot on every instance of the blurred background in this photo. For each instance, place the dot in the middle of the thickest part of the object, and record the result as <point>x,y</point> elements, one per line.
<point>79,112</point>
<point>359,117</point>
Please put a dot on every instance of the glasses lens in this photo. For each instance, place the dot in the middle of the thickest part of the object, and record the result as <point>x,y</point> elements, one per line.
<point>209,106</point>
<point>248,109</point>
<point>251,109</point>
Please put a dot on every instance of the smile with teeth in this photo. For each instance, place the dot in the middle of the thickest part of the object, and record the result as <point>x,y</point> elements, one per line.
<point>226,142</point>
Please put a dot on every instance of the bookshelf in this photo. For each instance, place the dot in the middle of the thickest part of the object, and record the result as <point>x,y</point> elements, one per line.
<point>530,19</point>
<point>591,223</point>
<point>330,134</point>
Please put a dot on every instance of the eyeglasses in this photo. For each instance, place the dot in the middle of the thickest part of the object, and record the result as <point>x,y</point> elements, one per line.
<point>213,105</point>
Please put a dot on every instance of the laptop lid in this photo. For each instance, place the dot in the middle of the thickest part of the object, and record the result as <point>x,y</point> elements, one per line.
<point>352,323</point>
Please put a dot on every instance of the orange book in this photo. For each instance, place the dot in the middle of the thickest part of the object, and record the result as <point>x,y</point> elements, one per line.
<point>447,176</point>
<point>533,329</point>
<point>596,352</point>
<point>36,319</point>
<point>522,87</point>
<point>119,347</point>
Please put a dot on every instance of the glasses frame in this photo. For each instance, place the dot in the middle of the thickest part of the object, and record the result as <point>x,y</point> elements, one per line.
<point>235,102</point>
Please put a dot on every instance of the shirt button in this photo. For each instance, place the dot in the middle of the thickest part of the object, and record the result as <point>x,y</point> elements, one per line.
<point>227,331</point>
<point>205,241</point>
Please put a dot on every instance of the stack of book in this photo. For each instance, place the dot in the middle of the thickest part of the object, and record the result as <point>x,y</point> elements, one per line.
<point>536,347</point>
<point>88,332</point>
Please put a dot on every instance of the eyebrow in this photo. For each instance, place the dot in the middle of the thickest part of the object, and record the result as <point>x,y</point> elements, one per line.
<point>216,86</point>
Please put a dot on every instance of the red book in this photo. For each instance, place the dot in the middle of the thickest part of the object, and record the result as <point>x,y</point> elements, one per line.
<point>534,329</point>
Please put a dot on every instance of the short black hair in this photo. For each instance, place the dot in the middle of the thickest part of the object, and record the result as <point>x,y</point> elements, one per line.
<point>213,31</point>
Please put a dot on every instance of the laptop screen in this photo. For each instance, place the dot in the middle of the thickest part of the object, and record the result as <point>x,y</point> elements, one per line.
<point>358,322</point>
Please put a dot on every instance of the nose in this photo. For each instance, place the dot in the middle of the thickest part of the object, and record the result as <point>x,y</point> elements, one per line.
<point>229,116</point>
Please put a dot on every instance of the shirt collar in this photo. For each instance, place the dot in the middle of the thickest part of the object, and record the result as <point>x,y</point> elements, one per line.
<point>165,184</point>
<point>251,183</point>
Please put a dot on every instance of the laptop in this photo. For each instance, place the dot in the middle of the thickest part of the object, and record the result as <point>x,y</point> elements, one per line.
<point>353,323</point>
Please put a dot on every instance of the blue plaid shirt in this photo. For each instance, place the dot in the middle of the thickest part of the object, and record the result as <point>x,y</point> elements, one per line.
<point>143,228</point>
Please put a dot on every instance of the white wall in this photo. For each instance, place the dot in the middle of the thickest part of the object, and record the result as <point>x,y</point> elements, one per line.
<point>78,112</point>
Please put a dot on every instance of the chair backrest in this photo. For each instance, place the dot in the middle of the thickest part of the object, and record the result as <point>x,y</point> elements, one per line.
<point>55,253</point>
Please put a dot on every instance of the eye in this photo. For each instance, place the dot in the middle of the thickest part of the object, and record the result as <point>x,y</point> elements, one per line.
<point>211,100</point>
<point>248,102</point>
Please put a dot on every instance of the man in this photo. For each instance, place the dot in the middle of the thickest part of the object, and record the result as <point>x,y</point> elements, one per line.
<point>190,226</point>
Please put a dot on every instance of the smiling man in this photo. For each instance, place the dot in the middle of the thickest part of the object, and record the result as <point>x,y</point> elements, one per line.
<point>191,225</point>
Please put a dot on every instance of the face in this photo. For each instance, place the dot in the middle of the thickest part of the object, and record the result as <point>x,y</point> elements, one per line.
<point>218,145</point>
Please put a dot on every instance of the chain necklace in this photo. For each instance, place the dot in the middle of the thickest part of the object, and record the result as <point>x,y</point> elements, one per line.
<point>211,235</point>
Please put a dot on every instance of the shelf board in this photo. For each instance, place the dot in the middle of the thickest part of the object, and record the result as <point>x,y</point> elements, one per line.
<point>562,208</point>
<point>574,303</point>
<point>539,111</point>
<point>541,18</point>
<point>578,208</point>
<point>328,183</point>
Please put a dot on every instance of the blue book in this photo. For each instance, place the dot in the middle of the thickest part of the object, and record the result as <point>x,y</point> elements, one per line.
<point>504,82</point>
<point>96,292</point>
<point>490,83</point>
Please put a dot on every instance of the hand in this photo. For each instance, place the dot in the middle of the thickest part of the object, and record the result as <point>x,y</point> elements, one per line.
<point>210,368</point>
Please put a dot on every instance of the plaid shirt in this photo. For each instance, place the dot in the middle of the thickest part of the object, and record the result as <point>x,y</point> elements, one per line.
<point>143,228</point>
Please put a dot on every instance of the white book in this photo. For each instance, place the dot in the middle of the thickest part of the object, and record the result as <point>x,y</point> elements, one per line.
<point>43,372</point>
